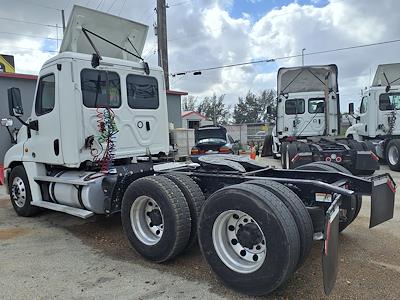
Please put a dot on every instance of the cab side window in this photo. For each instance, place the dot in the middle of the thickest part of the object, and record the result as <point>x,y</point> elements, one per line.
<point>45,97</point>
<point>294,106</point>
<point>364,105</point>
<point>142,92</point>
<point>100,89</point>
<point>316,105</point>
<point>389,101</point>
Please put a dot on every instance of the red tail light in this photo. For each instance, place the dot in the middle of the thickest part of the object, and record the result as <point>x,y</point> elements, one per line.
<point>195,151</point>
<point>224,149</point>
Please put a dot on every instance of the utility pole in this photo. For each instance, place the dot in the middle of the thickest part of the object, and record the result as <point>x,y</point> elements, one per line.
<point>162,39</point>
<point>63,20</point>
<point>302,56</point>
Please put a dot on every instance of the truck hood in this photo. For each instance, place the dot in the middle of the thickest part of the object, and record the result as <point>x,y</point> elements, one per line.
<point>112,28</point>
<point>307,79</point>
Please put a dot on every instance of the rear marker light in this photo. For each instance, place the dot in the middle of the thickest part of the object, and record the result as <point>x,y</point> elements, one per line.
<point>338,159</point>
<point>328,159</point>
<point>374,156</point>
<point>295,158</point>
<point>391,185</point>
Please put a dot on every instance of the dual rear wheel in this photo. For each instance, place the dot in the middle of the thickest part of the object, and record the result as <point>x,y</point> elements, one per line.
<point>159,215</point>
<point>254,235</point>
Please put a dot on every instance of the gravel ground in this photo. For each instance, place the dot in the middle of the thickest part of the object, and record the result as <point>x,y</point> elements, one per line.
<point>59,256</point>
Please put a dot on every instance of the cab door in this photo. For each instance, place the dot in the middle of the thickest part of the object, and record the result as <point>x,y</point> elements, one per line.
<point>43,144</point>
<point>315,117</point>
<point>294,117</point>
<point>364,115</point>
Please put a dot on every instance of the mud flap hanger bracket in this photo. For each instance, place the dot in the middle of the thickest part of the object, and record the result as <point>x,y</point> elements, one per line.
<point>330,251</point>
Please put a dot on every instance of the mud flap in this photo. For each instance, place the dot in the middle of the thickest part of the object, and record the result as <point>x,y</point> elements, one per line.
<point>382,200</point>
<point>330,251</point>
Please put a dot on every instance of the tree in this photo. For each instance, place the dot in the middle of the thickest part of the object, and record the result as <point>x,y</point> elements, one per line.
<point>214,109</point>
<point>253,108</point>
<point>189,103</point>
<point>267,98</point>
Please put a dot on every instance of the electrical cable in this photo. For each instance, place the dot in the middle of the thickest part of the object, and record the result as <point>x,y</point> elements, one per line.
<point>112,5</point>
<point>40,5</point>
<point>122,7</point>
<point>27,22</point>
<point>284,57</point>
<point>28,35</point>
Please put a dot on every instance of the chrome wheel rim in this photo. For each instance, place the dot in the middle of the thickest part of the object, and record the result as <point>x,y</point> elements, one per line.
<point>393,155</point>
<point>147,220</point>
<point>18,192</point>
<point>239,241</point>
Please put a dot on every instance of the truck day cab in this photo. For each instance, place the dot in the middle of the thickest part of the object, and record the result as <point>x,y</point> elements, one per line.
<point>98,121</point>
<point>378,121</point>
<point>308,122</point>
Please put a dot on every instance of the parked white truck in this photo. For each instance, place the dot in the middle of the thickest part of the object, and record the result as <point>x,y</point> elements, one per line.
<point>98,122</point>
<point>378,120</point>
<point>308,122</point>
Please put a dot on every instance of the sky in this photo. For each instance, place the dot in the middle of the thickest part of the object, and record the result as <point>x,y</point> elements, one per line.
<point>208,33</point>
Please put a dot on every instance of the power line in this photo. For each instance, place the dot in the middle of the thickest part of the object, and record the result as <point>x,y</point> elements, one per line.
<point>27,22</point>
<point>284,57</point>
<point>29,35</point>
<point>40,5</point>
<point>31,49</point>
<point>111,6</point>
<point>68,3</point>
<point>122,7</point>
<point>179,3</point>
<point>100,3</point>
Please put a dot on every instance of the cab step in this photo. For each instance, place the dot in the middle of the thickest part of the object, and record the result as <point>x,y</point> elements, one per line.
<point>77,212</point>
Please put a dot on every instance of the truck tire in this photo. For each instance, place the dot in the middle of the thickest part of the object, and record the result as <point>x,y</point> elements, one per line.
<point>336,166</point>
<point>20,193</point>
<point>194,199</point>
<point>393,155</point>
<point>156,218</point>
<point>249,238</point>
<point>355,202</point>
<point>298,211</point>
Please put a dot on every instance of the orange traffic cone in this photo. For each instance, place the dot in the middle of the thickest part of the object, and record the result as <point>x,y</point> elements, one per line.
<point>252,152</point>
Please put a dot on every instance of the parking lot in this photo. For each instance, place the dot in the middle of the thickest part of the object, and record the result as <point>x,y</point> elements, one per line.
<point>58,256</point>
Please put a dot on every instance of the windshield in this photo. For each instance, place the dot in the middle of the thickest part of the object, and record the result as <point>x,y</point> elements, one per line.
<point>206,135</point>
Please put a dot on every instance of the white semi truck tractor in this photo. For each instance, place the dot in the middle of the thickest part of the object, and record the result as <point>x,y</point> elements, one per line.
<point>308,122</point>
<point>378,120</point>
<point>90,147</point>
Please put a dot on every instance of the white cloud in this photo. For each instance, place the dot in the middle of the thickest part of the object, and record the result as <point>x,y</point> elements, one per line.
<point>205,34</point>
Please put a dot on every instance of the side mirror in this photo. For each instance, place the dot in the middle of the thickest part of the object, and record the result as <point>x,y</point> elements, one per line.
<point>14,102</point>
<point>6,122</point>
<point>269,110</point>
<point>351,108</point>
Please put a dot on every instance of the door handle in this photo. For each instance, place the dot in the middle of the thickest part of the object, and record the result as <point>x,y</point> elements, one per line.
<point>147,125</point>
